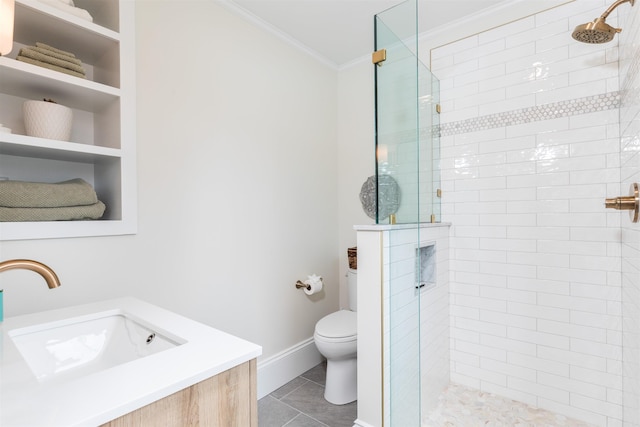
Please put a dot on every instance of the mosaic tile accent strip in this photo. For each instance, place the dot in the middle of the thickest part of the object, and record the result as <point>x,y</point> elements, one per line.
<point>572,107</point>
<point>462,406</point>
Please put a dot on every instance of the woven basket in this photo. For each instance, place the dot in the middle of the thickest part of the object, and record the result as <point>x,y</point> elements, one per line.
<point>352,253</point>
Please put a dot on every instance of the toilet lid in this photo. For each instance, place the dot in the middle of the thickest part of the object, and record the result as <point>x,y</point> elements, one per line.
<point>340,324</point>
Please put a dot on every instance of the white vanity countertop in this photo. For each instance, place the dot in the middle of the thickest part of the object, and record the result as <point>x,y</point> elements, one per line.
<point>103,396</point>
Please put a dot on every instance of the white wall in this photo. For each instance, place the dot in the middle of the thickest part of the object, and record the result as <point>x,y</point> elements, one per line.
<point>237,173</point>
<point>530,148</point>
<point>356,155</point>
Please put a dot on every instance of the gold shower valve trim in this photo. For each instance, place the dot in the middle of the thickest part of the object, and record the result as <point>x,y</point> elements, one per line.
<point>629,203</point>
<point>379,56</point>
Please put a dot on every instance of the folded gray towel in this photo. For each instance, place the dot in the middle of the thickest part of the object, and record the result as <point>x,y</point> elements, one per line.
<point>56,55</point>
<point>62,52</point>
<point>69,213</point>
<point>49,66</point>
<point>23,194</point>
<point>39,56</point>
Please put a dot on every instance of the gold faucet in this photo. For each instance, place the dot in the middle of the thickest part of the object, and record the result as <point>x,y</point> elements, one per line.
<point>26,264</point>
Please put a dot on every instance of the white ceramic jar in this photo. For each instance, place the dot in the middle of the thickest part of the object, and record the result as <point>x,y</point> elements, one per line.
<point>45,119</point>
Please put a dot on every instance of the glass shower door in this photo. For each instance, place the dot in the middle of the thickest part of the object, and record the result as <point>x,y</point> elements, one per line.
<point>408,179</point>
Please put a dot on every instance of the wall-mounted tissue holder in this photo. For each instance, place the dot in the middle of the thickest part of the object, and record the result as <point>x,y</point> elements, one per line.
<point>300,285</point>
<point>312,285</point>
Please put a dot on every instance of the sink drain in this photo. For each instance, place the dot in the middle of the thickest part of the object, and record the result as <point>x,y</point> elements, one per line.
<point>151,337</point>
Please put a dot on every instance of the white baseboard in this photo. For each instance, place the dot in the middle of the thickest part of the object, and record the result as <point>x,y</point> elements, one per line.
<point>283,367</point>
<point>359,423</point>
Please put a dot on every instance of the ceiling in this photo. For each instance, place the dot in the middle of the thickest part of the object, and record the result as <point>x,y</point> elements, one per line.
<point>341,31</point>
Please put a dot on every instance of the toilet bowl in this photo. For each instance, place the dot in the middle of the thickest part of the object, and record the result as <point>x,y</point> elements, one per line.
<point>336,338</point>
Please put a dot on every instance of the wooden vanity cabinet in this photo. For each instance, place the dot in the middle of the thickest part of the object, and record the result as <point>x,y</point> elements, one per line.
<point>228,399</point>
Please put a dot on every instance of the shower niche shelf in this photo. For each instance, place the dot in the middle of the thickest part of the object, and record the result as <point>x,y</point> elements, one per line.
<point>425,267</point>
<point>102,148</point>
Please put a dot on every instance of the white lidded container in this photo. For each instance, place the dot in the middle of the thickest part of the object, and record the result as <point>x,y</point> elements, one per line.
<point>44,119</point>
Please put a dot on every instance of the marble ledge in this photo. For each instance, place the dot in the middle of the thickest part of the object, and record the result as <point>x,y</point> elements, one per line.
<point>394,227</point>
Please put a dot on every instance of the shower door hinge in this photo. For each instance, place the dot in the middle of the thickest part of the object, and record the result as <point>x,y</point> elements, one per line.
<point>433,218</point>
<point>379,56</point>
<point>438,108</point>
<point>438,193</point>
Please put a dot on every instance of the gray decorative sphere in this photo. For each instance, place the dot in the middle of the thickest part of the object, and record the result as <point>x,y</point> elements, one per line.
<point>389,196</point>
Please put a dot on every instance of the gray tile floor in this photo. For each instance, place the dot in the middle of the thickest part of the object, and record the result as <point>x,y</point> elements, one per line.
<point>300,403</point>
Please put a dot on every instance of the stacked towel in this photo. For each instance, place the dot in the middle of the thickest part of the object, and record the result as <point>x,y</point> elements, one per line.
<point>36,201</point>
<point>69,7</point>
<point>47,56</point>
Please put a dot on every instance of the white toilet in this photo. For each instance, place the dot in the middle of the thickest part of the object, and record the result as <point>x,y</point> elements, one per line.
<point>336,337</point>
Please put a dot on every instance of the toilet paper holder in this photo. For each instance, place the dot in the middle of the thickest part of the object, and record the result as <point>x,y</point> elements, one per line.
<point>311,284</point>
<point>300,285</point>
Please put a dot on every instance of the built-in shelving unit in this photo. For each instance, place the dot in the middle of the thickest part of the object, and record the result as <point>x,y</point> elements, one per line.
<point>102,149</point>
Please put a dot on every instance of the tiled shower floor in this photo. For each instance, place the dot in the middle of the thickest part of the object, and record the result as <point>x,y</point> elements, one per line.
<point>460,406</point>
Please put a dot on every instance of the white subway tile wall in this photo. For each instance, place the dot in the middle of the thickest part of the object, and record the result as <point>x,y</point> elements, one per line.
<point>410,320</point>
<point>530,148</point>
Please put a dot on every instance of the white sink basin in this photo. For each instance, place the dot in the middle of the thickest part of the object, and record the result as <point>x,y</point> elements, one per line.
<point>85,365</point>
<point>87,344</point>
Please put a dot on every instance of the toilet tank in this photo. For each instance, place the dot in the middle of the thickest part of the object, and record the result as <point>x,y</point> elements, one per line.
<point>352,283</point>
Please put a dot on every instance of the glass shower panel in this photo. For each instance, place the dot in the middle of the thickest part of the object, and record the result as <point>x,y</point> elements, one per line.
<point>398,160</point>
<point>397,135</point>
<point>407,123</point>
<point>429,145</point>
<point>629,117</point>
<point>408,179</point>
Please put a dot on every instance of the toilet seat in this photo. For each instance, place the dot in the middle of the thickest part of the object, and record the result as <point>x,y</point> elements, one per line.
<point>340,326</point>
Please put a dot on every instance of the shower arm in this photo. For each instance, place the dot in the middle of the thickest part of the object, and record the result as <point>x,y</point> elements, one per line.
<point>613,6</point>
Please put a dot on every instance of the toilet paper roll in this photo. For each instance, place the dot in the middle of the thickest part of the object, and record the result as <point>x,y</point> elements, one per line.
<point>312,287</point>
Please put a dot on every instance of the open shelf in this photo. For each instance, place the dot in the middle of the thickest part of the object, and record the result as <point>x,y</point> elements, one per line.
<point>32,82</point>
<point>102,147</point>
<point>37,21</point>
<point>26,146</point>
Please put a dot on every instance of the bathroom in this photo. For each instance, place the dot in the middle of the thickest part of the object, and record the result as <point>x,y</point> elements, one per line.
<point>251,152</point>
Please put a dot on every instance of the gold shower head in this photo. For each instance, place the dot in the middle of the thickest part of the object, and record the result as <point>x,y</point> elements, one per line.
<point>598,31</point>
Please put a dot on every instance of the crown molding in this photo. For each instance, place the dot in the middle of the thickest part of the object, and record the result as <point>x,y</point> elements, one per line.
<point>261,23</point>
<point>466,26</point>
